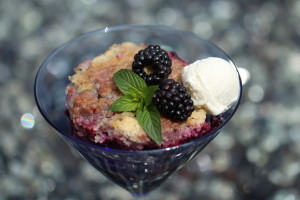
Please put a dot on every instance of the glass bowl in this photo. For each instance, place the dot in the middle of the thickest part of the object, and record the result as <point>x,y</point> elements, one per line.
<point>139,172</point>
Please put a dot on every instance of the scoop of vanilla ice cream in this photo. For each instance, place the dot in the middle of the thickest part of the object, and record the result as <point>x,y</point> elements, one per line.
<point>213,84</point>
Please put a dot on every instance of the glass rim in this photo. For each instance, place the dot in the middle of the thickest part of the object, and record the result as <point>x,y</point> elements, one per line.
<point>127,27</point>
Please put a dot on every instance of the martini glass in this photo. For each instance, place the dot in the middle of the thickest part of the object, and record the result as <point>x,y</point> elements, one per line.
<point>139,172</point>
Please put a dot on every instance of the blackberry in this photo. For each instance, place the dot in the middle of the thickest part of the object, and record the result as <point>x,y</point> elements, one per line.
<point>173,101</point>
<point>156,61</point>
<point>214,121</point>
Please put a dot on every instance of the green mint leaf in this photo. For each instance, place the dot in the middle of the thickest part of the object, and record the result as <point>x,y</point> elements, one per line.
<point>125,103</point>
<point>135,93</point>
<point>149,119</point>
<point>126,79</point>
<point>148,93</point>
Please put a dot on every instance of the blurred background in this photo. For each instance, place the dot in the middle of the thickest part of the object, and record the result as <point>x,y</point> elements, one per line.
<point>257,156</point>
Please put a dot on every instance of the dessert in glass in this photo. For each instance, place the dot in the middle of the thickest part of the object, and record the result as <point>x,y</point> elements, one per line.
<point>84,106</point>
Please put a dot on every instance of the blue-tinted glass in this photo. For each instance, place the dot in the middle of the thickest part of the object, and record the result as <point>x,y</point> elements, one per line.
<point>137,171</point>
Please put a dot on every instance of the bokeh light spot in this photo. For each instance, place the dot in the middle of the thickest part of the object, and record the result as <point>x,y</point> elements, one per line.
<point>27,121</point>
<point>256,93</point>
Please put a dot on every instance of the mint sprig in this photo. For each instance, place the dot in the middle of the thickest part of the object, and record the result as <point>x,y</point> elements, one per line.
<point>138,97</point>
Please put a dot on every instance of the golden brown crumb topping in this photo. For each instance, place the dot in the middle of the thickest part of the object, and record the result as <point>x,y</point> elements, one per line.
<point>93,90</point>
